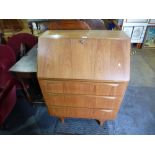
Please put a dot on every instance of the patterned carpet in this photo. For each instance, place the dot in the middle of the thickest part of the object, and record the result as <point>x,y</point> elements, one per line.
<point>136,115</point>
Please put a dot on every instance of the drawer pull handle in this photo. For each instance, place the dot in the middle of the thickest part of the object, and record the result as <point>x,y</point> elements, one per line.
<point>106,110</point>
<point>113,84</point>
<point>110,97</point>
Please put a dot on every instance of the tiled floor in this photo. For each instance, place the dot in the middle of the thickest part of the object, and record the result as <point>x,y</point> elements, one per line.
<point>136,116</point>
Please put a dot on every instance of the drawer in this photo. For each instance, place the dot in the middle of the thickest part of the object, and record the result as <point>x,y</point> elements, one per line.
<point>86,101</point>
<point>78,88</point>
<point>110,89</point>
<point>86,88</point>
<point>67,87</point>
<point>51,86</point>
<point>82,112</point>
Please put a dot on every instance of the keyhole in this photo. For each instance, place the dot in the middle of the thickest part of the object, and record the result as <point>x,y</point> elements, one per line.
<point>82,41</point>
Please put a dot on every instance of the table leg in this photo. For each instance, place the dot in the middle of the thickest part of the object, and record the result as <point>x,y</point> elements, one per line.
<point>26,91</point>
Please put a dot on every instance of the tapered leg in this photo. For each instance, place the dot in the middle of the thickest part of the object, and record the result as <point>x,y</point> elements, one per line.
<point>101,122</point>
<point>26,91</point>
<point>139,45</point>
<point>62,119</point>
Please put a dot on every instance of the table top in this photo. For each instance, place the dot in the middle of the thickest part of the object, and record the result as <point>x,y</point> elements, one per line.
<point>28,63</point>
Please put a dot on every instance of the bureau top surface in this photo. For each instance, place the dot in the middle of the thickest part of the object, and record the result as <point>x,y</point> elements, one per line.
<point>84,54</point>
<point>96,34</point>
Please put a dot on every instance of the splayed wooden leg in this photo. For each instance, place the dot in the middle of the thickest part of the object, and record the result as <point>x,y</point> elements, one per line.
<point>101,122</point>
<point>139,45</point>
<point>62,119</point>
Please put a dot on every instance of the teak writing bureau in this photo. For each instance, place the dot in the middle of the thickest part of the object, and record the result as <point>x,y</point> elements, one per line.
<point>83,73</point>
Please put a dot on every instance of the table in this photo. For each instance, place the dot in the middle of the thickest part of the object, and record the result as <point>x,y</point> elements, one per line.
<point>27,65</point>
<point>26,68</point>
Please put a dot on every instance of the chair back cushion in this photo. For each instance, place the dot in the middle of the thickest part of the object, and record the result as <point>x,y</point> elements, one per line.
<point>26,39</point>
<point>7,57</point>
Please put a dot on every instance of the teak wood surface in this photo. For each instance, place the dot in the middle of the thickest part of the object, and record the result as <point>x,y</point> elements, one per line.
<point>70,55</point>
<point>86,88</point>
<point>84,73</point>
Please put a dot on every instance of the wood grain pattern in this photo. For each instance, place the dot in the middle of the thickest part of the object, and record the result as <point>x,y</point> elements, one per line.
<point>84,74</point>
<point>83,101</point>
<point>84,58</point>
<point>82,24</point>
<point>11,24</point>
<point>90,34</point>
<point>82,113</point>
<point>90,88</point>
<point>68,25</point>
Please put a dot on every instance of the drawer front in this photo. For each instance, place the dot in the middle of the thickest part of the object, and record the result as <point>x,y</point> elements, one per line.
<point>50,86</point>
<point>110,89</point>
<point>86,101</point>
<point>78,88</point>
<point>82,113</point>
<point>83,88</point>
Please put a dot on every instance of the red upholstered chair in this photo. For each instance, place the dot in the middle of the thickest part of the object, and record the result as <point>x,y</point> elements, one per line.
<point>7,56</point>
<point>22,38</point>
<point>7,101</point>
<point>7,59</point>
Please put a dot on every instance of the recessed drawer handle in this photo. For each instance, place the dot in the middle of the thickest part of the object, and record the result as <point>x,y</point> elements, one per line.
<point>113,84</point>
<point>110,97</point>
<point>106,110</point>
